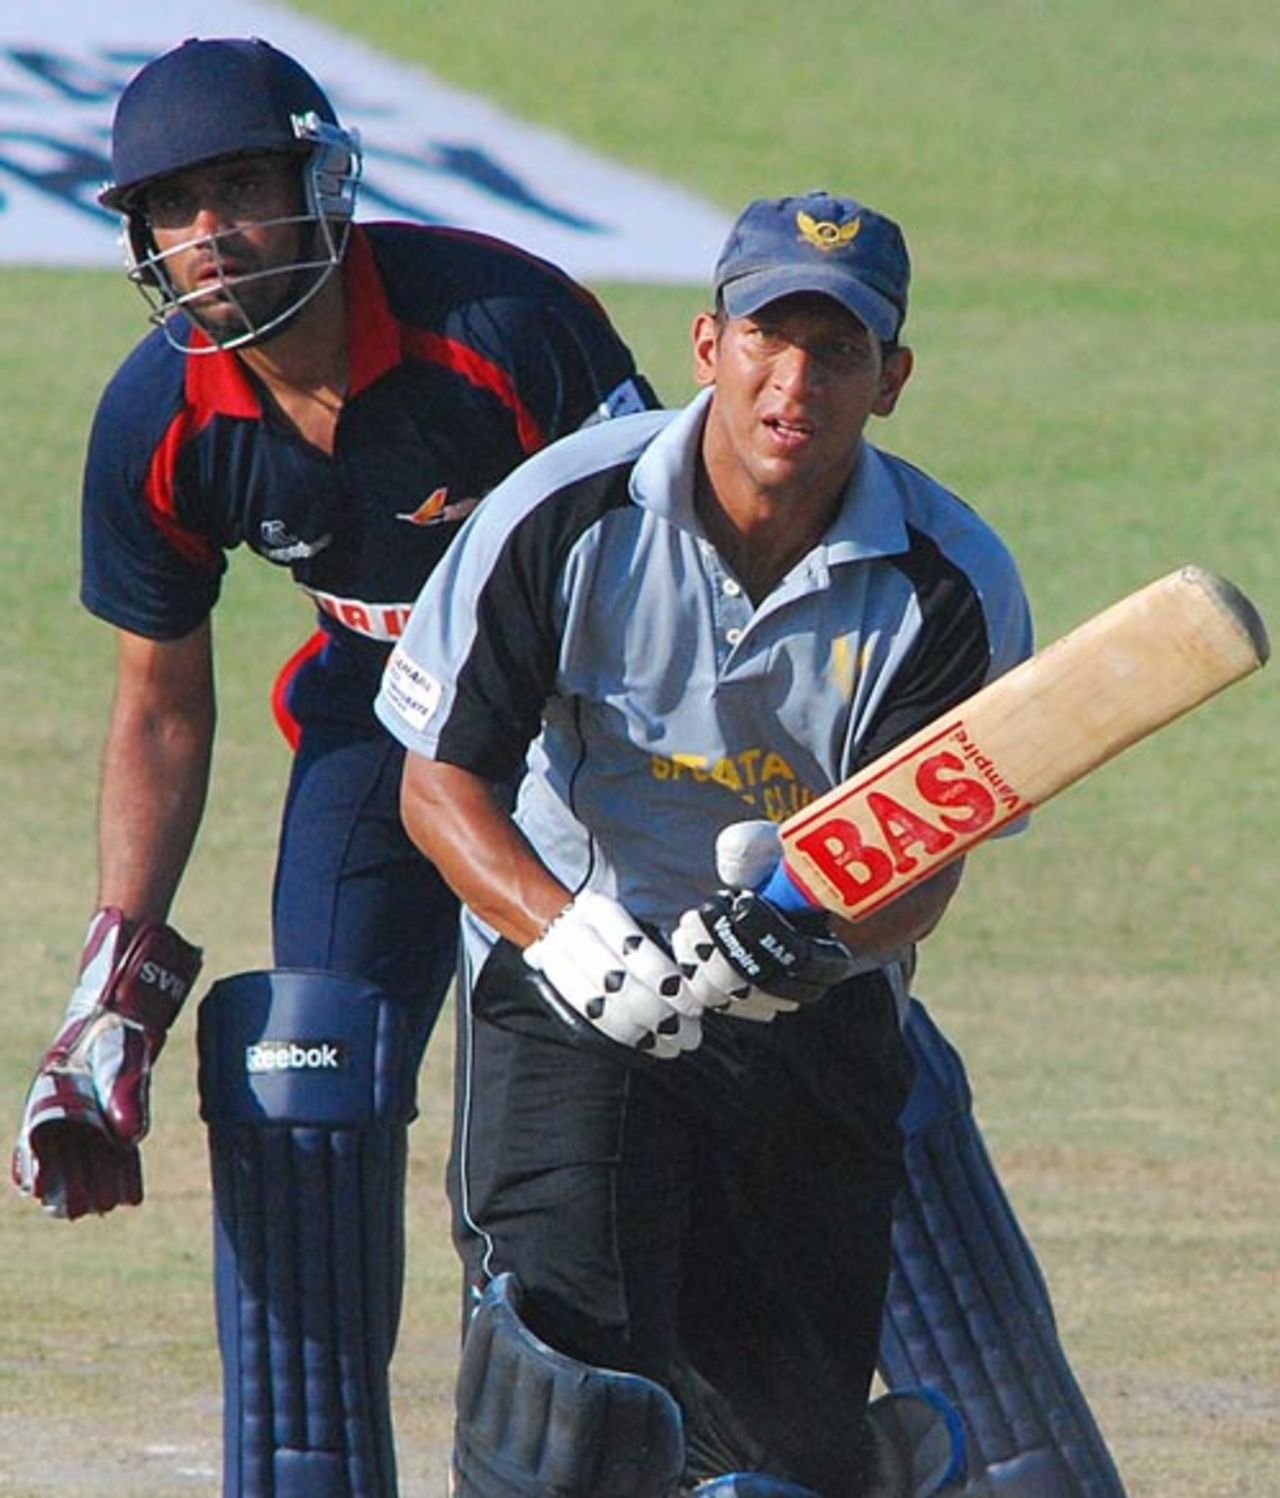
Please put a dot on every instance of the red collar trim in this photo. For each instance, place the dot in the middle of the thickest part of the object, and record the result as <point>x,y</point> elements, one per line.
<point>218,384</point>
<point>373,334</point>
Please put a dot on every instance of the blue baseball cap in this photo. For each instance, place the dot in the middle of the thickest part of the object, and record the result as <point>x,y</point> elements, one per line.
<point>835,246</point>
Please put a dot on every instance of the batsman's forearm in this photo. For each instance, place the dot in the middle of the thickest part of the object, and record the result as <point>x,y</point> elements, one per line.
<point>455,819</point>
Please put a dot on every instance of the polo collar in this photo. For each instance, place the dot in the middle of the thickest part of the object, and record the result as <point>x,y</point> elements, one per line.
<point>869,523</point>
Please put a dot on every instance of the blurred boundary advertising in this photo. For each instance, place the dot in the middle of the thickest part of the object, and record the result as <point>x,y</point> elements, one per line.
<point>433,153</point>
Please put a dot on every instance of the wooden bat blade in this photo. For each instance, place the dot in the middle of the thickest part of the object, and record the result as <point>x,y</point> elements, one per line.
<point>1110,682</point>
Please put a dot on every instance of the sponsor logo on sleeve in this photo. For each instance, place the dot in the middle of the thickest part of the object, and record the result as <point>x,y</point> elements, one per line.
<point>279,544</point>
<point>414,694</point>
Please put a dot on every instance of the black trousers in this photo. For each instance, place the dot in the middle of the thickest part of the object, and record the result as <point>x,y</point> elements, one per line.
<point>719,1223</point>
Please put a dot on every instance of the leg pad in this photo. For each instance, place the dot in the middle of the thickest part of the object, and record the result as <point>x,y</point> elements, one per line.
<point>531,1421</point>
<point>307,1105</point>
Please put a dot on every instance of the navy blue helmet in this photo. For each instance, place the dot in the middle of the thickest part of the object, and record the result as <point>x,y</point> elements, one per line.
<point>212,100</point>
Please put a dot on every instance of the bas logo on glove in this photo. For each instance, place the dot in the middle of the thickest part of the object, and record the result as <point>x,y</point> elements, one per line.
<point>89,1105</point>
<point>742,956</point>
<point>765,951</point>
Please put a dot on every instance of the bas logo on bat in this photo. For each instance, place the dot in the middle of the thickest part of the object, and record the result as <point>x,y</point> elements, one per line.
<point>1018,741</point>
<point>922,809</point>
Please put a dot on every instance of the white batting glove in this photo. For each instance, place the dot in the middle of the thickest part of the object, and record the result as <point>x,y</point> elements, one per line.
<point>89,1104</point>
<point>609,973</point>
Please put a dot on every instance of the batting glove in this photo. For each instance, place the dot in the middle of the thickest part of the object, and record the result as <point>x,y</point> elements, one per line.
<point>602,968</point>
<point>89,1105</point>
<point>739,953</point>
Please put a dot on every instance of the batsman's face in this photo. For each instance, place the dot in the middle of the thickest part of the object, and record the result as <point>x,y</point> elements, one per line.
<point>229,234</point>
<point>795,385</point>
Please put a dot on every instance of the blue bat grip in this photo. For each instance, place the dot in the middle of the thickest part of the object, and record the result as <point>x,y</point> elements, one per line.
<point>780,889</point>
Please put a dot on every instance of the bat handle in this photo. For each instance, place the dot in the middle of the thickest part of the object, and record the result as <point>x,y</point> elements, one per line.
<point>780,889</point>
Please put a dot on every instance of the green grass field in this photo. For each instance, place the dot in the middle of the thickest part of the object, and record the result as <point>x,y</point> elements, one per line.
<point>1091,197</point>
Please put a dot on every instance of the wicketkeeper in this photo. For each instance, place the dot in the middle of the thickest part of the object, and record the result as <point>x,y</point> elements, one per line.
<point>336,398</point>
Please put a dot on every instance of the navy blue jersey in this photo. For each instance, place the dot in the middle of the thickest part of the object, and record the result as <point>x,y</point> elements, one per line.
<point>465,355</point>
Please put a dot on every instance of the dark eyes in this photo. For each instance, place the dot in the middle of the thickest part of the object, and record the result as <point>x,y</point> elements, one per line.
<point>240,195</point>
<point>839,354</point>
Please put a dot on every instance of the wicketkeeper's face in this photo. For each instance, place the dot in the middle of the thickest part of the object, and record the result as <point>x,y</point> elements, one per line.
<point>229,235</point>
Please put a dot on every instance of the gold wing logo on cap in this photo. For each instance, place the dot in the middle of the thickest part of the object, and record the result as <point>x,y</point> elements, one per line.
<point>823,235</point>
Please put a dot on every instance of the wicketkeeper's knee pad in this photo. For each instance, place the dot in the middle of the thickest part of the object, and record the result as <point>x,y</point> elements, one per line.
<point>968,1311</point>
<point>307,1089</point>
<point>535,1423</point>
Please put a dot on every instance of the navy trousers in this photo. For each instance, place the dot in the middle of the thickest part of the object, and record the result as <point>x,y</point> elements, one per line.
<point>352,893</point>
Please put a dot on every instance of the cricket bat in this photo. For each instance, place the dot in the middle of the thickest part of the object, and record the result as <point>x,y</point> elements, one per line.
<point>1026,736</point>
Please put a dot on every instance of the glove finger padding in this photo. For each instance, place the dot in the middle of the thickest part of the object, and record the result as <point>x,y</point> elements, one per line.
<point>713,982</point>
<point>603,965</point>
<point>121,1061</point>
<point>783,961</point>
<point>66,1157</point>
<point>75,1169</point>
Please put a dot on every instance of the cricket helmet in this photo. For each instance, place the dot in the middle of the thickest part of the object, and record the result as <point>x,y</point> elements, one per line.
<point>211,100</point>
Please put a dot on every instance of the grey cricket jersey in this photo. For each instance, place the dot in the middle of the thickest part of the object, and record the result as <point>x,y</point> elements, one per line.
<point>583,627</point>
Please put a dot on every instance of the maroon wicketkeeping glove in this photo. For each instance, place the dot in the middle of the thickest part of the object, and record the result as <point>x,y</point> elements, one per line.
<point>89,1105</point>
